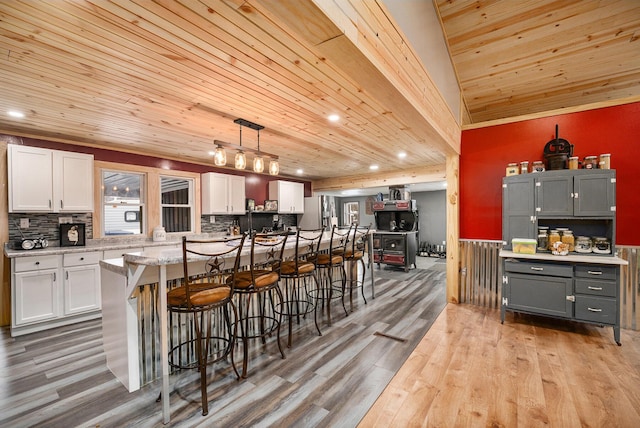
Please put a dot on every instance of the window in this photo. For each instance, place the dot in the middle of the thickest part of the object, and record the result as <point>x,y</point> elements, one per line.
<point>122,203</point>
<point>176,201</point>
<point>351,213</point>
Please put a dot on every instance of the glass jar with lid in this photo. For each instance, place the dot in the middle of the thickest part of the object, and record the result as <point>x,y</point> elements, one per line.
<point>583,244</point>
<point>590,162</point>
<point>601,245</point>
<point>567,238</point>
<point>537,166</point>
<point>554,236</point>
<point>543,237</point>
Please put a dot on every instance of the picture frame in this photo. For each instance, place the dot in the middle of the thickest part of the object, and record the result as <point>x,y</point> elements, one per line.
<point>271,205</point>
<point>251,204</point>
<point>72,235</point>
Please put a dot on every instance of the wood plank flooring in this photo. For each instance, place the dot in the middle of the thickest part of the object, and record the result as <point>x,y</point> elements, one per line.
<point>469,370</point>
<point>59,378</point>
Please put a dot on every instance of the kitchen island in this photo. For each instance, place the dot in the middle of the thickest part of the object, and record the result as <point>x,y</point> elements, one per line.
<point>136,325</point>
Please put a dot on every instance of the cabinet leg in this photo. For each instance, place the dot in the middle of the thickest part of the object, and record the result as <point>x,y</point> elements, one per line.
<point>616,335</point>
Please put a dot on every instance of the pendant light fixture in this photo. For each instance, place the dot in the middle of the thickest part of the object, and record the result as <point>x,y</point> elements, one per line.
<point>258,162</point>
<point>241,159</point>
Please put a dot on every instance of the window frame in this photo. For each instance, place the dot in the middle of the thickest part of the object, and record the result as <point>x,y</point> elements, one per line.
<point>191,202</point>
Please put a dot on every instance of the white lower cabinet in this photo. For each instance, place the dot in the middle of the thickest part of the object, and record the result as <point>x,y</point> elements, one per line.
<point>53,290</point>
<point>36,296</point>
<point>81,273</point>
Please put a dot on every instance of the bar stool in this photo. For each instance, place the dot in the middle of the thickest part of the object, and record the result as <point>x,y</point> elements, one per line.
<point>296,274</point>
<point>205,298</point>
<point>355,253</point>
<point>329,264</point>
<point>259,319</point>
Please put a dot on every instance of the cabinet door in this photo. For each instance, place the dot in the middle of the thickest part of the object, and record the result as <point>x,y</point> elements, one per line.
<point>81,289</point>
<point>595,194</point>
<point>73,182</point>
<point>539,294</point>
<point>518,209</point>
<point>236,195</point>
<point>215,193</point>
<point>30,179</point>
<point>297,198</point>
<point>36,296</point>
<point>554,196</point>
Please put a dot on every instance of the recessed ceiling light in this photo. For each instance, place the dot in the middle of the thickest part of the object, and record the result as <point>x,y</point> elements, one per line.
<point>402,155</point>
<point>373,167</point>
<point>299,171</point>
<point>16,114</point>
<point>334,117</point>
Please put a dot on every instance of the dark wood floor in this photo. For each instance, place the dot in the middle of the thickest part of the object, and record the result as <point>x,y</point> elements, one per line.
<point>59,378</point>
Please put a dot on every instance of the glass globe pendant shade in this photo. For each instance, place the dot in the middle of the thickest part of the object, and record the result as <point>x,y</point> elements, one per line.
<point>241,160</point>
<point>258,164</point>
<point>220,156</point>
<point>274,167</point>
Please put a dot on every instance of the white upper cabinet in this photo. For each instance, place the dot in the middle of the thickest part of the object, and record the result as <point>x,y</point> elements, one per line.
<point>289,194</point>
<point>42,180</point>
<point>223,194</point>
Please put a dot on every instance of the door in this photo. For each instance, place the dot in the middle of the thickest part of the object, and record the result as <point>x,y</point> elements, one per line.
<point>554,196</point>
<point>595,194</point>
<point>81,289</point>
<point>30,179</point>
<point>518,208</point>
<point>36,296</point>
<point>539,294</point>
<point>73,182</point>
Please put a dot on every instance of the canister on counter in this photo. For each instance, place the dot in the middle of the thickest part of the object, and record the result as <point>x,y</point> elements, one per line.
<point>512,169</point>
<point>554,236</point>
<point>524,167</point>
<point>567,238</point>
<point>601,245</point>
<point>590,162</point>
<point>605,161</point>
<point>573,162</point>
<point>543,237</point>
<point>583,244</point>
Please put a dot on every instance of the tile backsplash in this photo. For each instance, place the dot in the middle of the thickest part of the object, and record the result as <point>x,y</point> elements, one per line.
<point>45,225</point>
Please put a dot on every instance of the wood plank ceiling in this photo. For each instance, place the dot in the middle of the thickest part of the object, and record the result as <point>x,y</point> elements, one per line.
<point>167,78</point>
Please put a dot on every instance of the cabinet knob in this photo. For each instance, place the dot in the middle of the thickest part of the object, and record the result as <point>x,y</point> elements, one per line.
<point>81,258</point>
<point>37,263</point>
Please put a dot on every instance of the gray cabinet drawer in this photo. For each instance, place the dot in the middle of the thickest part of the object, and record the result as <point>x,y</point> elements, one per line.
<point>595,287</point>
<point>547,269</point>
<point>596,271</point>
<point>596,309</point>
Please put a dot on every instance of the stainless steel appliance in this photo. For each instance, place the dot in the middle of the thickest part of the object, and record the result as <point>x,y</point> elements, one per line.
<point>318,212</point>
<point>395,241</point>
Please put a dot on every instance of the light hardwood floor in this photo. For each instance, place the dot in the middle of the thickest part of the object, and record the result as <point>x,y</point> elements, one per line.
<point>469,370</point>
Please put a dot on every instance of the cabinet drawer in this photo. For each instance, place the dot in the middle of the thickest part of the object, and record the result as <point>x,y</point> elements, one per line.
<point>596,271</point>
<point>23,264</point>
<point>548,269</point>
<point>595,287</point>
<point>81,259</point>
<point>596,309</point>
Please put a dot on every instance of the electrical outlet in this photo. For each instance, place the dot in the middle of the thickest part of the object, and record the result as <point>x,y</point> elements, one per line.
<point>24,223</point>
<point>212,219</point>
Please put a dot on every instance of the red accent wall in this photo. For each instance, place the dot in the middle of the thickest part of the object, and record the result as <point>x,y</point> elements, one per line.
<point>256,185</point>
<point>486,152</point>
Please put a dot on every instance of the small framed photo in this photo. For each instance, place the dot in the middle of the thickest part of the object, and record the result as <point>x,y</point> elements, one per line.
<point>251,204</point>
<point>271,205</point>
<point>72,235</point>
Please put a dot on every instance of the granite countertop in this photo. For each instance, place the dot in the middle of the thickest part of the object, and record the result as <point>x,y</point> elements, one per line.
<point>102,245</point>
<point>574,257</point>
